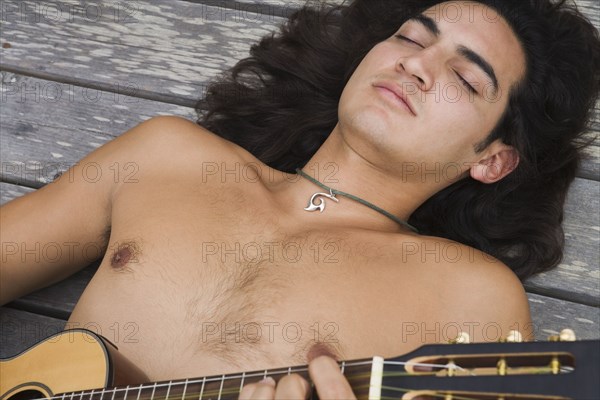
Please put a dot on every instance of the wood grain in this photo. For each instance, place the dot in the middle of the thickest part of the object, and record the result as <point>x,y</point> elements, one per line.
<point>577,278</point>
<point>550,316</point>
<point>167,50</point>
<point>67,363</point>
<point>44,134</point>
<point>20,330</point>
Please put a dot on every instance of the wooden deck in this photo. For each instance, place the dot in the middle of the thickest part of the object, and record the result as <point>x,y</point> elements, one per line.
<point>74,77</point>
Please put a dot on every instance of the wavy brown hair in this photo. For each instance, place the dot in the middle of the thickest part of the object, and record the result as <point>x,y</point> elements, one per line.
<point>281,104</point>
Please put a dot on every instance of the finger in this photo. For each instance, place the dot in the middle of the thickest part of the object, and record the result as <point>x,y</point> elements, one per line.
<point>263,390</point>
<point>292,387</point>
<point>247,391</point>
<point>329,380</point>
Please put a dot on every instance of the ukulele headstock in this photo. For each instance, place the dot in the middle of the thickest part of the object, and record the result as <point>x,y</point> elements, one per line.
<point>560,368</point>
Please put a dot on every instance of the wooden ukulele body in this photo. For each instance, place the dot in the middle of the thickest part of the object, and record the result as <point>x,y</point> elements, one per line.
<point>69,361</point>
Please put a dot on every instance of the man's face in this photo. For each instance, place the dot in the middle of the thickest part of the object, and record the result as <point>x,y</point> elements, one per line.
<point>426,60</point>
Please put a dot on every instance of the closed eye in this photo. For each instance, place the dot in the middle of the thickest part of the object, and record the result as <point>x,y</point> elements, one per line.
<point>466,84</point>
<point>463,81</point>
<point>404,38</point>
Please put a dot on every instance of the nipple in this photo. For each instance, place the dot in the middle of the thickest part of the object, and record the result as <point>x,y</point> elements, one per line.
<point>125,253</point>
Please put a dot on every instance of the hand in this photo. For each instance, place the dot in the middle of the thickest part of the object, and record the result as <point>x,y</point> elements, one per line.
<point>325,374</point>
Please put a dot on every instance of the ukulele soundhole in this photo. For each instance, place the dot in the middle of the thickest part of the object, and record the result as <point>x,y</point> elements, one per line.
<point>27,395</point>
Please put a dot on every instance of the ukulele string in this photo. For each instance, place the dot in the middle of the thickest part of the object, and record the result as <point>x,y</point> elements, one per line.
<point>288,371</point>
<point>429,395</point>
<point>366,377</point>
<point>426,365</point>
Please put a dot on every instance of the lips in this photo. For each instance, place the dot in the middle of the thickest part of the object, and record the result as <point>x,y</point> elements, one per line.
<point>399,95</point>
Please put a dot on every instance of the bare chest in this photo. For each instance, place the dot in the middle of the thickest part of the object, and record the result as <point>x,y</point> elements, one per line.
<point>202,283</point>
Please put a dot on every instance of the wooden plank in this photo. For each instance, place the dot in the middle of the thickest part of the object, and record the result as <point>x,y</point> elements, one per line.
<point>20,330</point>
<point>278,8</point>
<point>9,191</point>
<point>550,316</point>
<point>590,165</point>
<point>591,9</point>
<point>167,50</point>
<point>577,278</point>
<point>291,4</point>
<point>51,128</point>
<point>58,300</point>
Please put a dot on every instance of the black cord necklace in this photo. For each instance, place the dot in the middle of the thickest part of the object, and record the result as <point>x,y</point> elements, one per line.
<point>333,192</point>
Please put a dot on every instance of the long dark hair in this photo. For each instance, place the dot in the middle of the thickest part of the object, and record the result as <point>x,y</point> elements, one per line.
<point>281,104</point>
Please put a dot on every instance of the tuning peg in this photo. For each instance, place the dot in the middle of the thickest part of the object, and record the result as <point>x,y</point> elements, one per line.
<point>567,335</point>
<point>502,366</point>
<point>462,338</point>
<point>514,337</point>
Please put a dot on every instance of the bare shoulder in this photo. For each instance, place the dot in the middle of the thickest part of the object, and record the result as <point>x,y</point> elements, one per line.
<point>474,287</point>
<point>164,146</point>
<point>174,137</point>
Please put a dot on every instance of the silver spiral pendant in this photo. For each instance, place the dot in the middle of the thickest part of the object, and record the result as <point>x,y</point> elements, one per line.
<point>312,206</point>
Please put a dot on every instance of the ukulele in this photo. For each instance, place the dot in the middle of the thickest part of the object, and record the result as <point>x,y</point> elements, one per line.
<point>80,365</point>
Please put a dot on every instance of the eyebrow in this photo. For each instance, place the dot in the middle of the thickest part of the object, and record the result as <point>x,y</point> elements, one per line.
<point>464,51</point>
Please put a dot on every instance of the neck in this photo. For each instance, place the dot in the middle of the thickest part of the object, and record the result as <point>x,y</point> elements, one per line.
<point>341,167</point>
<point>224,387</point>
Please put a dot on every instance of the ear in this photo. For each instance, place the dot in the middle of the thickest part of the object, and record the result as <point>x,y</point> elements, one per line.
<point>499,160</point>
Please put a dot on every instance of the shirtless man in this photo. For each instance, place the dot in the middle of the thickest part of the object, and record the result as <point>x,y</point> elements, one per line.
<point>218,272</point>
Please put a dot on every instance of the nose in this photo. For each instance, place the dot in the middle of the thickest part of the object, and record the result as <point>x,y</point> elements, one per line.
<point>419,67</point>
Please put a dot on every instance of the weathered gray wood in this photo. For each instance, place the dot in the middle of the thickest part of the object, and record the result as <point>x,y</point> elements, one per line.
<point>591,9</point>
<point>550,316</point>
<point>58,300</point>
<point>590,166</point>
<point>166,50</point>
<point>40,136</point>
<point>279,8</point>
<point>9,191</point>
<point>20,330</point>
<point>577,278</point>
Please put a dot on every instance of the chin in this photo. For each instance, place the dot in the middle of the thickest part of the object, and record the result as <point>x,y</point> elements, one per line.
<point>371,121</point>
<point>370,132</point>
